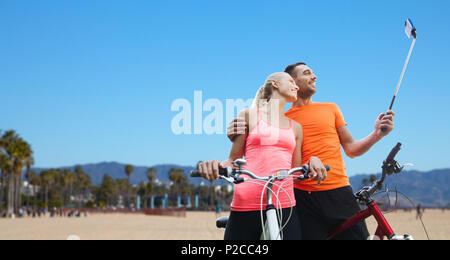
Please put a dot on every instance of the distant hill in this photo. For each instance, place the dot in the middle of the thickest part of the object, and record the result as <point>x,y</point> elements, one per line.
<point>117,171</point>
<point>428,188</point>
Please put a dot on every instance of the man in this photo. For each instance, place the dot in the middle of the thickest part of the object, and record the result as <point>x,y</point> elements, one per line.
<point>323,207</point>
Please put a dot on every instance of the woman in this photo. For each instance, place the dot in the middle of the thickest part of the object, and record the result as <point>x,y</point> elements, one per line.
<point>274,143</point>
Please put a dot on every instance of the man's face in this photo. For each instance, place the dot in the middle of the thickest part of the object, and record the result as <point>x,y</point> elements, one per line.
<point>306,81</point>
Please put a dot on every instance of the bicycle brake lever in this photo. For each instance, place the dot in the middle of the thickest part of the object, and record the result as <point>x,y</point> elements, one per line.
<point>239,180</point>
<point>228,179</point>
<point>392,167</point>
<point>398,168</point>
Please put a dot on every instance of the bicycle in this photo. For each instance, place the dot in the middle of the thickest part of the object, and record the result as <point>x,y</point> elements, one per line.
<point>384,230</point>
<point>272,229</point>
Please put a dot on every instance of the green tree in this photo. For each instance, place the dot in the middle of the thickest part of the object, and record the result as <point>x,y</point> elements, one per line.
<point>107,191</point>
<point>34,180</point>
<point>5,166</point>
<point>151,176</point>
<point>48,179</point>
<point>68,178</point>
<point>369,181</point>
<point>122,189</point>
<point>82,185</point>
<point>16,154</point>
<point>129,169</point>
<point>179,181</point>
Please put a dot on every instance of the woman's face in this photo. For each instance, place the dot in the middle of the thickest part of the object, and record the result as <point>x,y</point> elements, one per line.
<point>287,88</point>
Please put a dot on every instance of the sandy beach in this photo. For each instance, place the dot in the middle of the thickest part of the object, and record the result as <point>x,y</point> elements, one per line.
<point>195,226</point>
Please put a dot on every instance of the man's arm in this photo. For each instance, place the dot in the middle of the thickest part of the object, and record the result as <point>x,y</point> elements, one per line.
<point>237,127</point>
<point>354,148</point>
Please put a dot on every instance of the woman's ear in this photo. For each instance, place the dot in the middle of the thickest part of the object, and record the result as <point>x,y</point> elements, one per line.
<point>275,84</point>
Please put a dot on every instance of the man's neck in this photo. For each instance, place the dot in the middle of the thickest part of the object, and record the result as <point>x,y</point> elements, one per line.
<point>303,101</point>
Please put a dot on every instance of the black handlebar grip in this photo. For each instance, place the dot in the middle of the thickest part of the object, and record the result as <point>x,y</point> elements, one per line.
<point>196,173</point>
<point>394,152</point>
<point>307,170</point>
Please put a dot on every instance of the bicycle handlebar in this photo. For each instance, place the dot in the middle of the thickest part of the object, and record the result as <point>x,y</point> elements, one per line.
<point>222,172</point>
<point>390,166</point>
<point>234,173</point>
<point>394,152</point>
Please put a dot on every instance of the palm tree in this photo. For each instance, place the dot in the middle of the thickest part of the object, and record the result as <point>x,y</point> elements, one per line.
<point>4,168</point>
<point>26,160</point>
<point>16,154</point>
<point>129,169</point>
<point>68,178</point>
<point>179,181</point>
<point>82,184</point>
<point>151,176</point>
<point>48,178</point>
<point>122,188</point>
<point>107,190</point>
<point>34,180</point>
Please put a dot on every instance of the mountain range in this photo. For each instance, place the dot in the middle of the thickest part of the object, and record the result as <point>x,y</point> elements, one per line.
<point>430,188</point>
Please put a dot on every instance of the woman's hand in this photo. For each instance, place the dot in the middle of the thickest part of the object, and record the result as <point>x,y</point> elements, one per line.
<point>318,170</point>
<point>210,169</point>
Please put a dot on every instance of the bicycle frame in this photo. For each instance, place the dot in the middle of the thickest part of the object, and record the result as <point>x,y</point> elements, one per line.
<point>271,228</point>
<point>384,230</point>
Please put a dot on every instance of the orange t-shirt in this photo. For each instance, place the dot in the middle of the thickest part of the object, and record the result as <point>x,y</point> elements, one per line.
<point>320,122</point>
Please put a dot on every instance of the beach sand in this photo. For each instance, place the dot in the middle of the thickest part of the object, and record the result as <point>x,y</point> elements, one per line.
<point>195,226</point>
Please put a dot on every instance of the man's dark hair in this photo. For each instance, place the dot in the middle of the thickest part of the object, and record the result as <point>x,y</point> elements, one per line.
<point>291,68</point>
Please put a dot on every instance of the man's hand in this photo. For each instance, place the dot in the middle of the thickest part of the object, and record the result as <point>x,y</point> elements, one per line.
<point>237,127</point>
<point>384,121</point>
<point>318,170</point>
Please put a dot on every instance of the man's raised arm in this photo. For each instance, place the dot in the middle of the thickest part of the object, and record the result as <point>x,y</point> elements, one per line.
<point>354,148</point>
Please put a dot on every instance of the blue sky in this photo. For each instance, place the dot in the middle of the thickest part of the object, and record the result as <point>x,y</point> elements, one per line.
<point>91,81</point>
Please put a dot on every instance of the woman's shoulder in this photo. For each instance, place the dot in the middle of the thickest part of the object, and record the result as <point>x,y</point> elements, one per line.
<point>297,126</point>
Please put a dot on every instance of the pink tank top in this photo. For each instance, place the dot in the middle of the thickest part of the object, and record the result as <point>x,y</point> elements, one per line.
<point>268,149</point>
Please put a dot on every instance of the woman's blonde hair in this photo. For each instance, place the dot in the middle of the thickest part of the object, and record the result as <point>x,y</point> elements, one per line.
<point>265,92</point>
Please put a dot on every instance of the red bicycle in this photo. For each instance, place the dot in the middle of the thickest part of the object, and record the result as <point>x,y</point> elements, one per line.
<point>384,230</point>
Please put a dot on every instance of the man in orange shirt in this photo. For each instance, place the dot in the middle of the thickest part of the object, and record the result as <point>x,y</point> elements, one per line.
<point>323,207</point>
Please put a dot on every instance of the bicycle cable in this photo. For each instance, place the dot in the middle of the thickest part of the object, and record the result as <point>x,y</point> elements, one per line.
<point>420,217</point>
<point>279,210</point>
<point>410,201</point>
<point>265,186</point>
<point>280,217</point>
<point>281,187</point>
<point>281,226</point>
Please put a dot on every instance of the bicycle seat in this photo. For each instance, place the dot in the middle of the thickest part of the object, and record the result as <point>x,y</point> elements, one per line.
<point>222,222</point>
